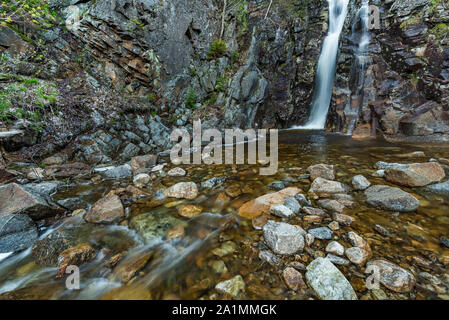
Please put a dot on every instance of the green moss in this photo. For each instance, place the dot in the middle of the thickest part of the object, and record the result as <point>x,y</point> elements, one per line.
<point>410,22</point>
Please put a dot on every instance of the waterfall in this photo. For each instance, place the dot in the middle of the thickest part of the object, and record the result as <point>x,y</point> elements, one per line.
<point>324,79</point>
<point>360,39</point>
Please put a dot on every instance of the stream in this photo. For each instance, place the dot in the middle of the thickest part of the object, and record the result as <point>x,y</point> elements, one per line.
<point>184,258</point>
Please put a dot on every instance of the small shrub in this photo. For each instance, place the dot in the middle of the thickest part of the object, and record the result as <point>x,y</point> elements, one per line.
<point>217,49</point>
<point>191,98</point>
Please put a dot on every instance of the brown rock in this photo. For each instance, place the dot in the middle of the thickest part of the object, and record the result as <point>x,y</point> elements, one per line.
<point>182,190</point>
<point>321,170</point>
<point>143,162</point>
<point>314,211</point>
<point>15,199</point>
<point>189,211</point>
<point>357,255</point>
<point>262,204</point>
<point>324,187</point>
<point>74,256</point>
<point>416,174</point>
<point>293,279</point>
<point>106,210</point>
<point>233,190</point>
<point>128,268</point>
<point>392,276</point>
<point>343,219</point>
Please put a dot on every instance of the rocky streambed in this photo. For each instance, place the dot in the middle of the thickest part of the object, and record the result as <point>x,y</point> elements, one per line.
<point>342,219</point>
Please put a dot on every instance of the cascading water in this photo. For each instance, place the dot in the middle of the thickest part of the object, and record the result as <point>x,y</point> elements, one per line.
<point>360,39</point>
<point>324,80</point>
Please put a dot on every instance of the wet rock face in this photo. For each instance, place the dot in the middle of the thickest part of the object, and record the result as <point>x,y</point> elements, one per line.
<point>15,199</point>
<point>17,232</point>
<point>390,198</point>
<point>401,90</point>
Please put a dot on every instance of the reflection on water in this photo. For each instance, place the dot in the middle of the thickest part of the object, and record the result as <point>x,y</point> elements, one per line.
<point>162,255</point>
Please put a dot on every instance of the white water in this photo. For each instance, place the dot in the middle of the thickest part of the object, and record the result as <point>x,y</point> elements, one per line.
<point>324,81</point>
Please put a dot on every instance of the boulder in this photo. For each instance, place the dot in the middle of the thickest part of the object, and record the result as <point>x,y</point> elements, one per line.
<point>182,190</point>
<point>321,170</point>
<point>360,182</point>
<point>283,238</point>
<point>322,186</point>
<point>17,232</point>
<point>415,174</point>
<point>392,276</point>
<point>15,199</point>
<point>106,210</point>
<point>262,204</point>
<point>328,282</point>
<point>391,198</point>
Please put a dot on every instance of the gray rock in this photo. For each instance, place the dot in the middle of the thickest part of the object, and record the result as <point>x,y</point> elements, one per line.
<point>323,186</point>
<point>441,188</point>
<point>391,198</point>
<point>328,282</point>
<point>269,257</point>
<point>292,204</point>
<point>120,172</point>
<point>392,276</point>
<point>129,151</point>
<point>212,182</point>
<point>335,248</point>
<point>281,211</point>
<point>17,232</point>
<point>277,185</point>
<point>360,182</point>
<point>322,233</point>
<point>303,200</point>
<point>233,287</point>
<point>72,203</point>
<point>15,199</point>
<point>283,238</point>
<point>337,260</point>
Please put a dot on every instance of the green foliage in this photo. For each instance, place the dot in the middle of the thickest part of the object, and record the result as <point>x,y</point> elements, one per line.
<point>235,56</point>
<point>221,84</point>
<point>191,98</point>
<point>242,17</point>
<point>217,49</point>
<point>27,12</point>
<point>27,98</point>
